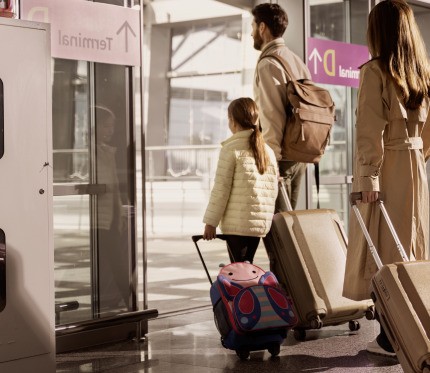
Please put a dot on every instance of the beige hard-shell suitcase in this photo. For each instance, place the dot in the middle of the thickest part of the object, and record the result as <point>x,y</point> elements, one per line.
<point>307,253</point>
<point>401,293</point>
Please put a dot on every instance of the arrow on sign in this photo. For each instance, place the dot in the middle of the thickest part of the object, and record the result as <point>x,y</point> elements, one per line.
<point>127,28</point>
<point>315,56</point>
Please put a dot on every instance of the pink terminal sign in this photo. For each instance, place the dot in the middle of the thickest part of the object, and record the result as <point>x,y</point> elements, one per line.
<point>333,62</point>
<point>88,31</point>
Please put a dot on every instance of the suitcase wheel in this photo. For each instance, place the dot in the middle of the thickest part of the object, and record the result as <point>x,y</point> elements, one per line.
<point>274,349</point>
<point>316,323</point>
<point>243,354</point>
<point>299,334</point>
<point>426,366</point>
<point>354,325</point>
<point>370,313</point>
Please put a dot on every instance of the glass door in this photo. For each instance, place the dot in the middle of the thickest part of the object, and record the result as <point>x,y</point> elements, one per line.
<point>94,197</point>
<point>342,21</point>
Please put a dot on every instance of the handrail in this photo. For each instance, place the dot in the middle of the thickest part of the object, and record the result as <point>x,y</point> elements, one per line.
<point>181,147</point>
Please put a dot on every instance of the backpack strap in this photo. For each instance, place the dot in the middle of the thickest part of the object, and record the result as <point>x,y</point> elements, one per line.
<point>282,62</point>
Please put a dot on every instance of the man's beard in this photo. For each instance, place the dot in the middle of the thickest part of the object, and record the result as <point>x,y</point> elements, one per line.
<point>258,42</point>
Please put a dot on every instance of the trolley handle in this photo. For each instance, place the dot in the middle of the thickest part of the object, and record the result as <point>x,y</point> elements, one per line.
<point>197,238</point>
<point>356,196</point>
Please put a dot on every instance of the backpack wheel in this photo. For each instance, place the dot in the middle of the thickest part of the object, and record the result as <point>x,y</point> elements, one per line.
<point>222,343</point>
<point>243,354</point>
<point>299,334</point>
<point>275,349</point>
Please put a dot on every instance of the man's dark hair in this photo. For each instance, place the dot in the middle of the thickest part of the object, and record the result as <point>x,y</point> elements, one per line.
<point>273,16</point>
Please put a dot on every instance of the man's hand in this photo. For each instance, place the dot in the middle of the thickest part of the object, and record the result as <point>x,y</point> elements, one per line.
<point>369,197</point>
<point>209,233</point>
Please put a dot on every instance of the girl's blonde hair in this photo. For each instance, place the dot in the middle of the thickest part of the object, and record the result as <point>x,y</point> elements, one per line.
<point>394,38</point>
<point>244,112</point>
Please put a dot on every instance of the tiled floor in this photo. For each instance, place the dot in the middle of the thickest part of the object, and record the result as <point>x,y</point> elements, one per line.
<point>190,343</point>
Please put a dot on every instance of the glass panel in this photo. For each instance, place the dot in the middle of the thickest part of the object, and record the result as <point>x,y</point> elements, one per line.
<point>2,270</point>
<point>328,20</point>
<point>96,229</point>
<point>197,49</point>
<point>334,162</point>
<point>422,16</point>
<point>115,205</point>
<point>72,257</point>
<point>198,101</point>
<point>72,233</point>
<point>70,119</point>
<point>198,107</point>
<point>345,22</point>
<point>335,196</point>
<point>181,170</point>
<point>1,120</point>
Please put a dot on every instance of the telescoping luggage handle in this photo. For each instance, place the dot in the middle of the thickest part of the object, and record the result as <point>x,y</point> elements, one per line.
<point>284,193</point>
<point>198,238</point>
<point>354,197</point>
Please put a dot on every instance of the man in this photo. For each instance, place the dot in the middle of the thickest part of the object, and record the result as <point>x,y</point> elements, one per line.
<point>270,91</point>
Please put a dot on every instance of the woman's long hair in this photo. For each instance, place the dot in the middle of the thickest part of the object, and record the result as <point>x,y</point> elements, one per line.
<point>394,38</point>
<point>244,112</point>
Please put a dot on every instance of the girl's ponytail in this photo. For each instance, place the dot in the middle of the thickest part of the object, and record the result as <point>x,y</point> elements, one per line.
<point>257,145</point>
<point>244,112</point>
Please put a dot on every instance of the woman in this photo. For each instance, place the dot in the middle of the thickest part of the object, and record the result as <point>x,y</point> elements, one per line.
<point>392,146</point>
<point>245,190</point>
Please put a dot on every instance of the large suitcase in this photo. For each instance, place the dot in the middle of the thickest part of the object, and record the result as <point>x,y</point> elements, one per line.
<point>251,311</point>
<point>307,253</point>
<point>401,294</point>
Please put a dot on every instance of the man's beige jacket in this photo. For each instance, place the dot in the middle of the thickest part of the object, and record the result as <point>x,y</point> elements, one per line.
<point>270,91</point>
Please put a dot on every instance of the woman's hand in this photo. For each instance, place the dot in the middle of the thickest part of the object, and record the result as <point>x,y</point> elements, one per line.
<point>369,197</point>
<point>209,233</point>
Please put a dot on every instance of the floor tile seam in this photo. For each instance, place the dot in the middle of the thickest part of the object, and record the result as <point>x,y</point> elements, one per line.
<point>161,331</point>
<point>204,367</point>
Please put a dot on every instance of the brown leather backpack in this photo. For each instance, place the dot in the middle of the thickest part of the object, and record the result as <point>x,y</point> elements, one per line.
<point>310,117</point>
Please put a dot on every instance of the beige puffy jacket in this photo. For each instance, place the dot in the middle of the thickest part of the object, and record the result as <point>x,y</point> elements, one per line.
<point>242,200</point>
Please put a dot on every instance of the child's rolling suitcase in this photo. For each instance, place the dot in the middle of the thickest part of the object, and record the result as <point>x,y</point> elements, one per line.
<point>401,294</point>
<point>307,252</point>
<point>251,311</point>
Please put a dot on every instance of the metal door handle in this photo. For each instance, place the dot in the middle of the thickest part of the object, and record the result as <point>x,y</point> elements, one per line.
<point>79,189</point>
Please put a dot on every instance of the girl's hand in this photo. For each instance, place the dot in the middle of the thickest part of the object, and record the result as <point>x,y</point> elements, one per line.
<point>369,197</point>
<point>209,233</point>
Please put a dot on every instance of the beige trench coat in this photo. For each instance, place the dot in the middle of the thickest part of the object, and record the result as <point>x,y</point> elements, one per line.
<point>392,145</point>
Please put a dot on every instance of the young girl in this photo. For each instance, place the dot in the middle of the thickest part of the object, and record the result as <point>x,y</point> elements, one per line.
<point>243,198</point>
